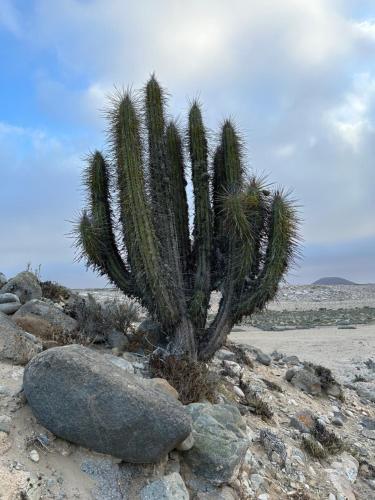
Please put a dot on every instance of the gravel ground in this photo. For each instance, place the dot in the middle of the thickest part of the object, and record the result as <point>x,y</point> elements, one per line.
<point>340,350</point>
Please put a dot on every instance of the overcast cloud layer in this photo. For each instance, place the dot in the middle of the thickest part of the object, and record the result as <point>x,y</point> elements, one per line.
<point>298,76</point>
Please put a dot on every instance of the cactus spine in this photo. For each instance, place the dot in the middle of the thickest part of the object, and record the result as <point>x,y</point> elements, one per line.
<point>243,238</point>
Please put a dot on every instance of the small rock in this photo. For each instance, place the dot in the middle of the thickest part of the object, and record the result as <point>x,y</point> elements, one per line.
<point>16,345</point>
<point>263,496</point>
<point>307,382</point>
<point>25,285</point>
<point>164,385</point>
<point>274,446</point>
<point>263,358</point>
<point>170,487</point>
<point>303,421</point>
<point>117,340</point>
<point>337,422</point>
<point>9,303</point>
<point>220,442</point>
<point>256,481</point>
<point>5,423</point>
<point>238,391</point>
<point>292,360</point>
<point>233,368</point>
<point>368,423</point>
<point>49,312</point>
<point>347,464</point>
<point>290,374</point>
<point>34,456</point>
<point>225,354</point>
<point>186,444</point>
<point>277,356</point>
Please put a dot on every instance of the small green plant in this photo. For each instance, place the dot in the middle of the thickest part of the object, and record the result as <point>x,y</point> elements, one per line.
<point>243,239</point>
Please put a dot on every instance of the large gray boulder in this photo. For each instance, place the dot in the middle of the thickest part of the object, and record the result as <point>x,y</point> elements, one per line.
<point>9,303</point>
<point>220,442</point>
<point>81,396</point>
<point>170,487</point>
<point>55,316</point>
<point>25,285</point>
<point>16,345</point>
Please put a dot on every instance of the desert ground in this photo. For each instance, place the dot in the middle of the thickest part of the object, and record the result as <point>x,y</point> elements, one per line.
<point>331,325</point>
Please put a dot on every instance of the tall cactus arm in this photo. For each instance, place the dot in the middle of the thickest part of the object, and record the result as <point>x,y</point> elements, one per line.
<point>202,246</point>
<point>161,191</point>
<point>233,172</point>
<point>179,203</point>
<point>282,237</point>
<point>219,236</point>
<point>108,264</point>
<point>95,235</point>
<point>241,213</point>
<point>139,234</point>
<point>228,177</point>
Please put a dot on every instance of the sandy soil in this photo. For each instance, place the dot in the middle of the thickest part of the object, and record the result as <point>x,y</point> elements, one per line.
<point>328,346</point>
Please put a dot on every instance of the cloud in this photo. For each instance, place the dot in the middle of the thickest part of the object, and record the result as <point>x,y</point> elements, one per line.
<point>296,75</point>
<point>38,196</point>
<point>352,119</point>
<point>9,18</point>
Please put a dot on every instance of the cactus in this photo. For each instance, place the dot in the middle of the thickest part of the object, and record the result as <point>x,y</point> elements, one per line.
<point>135,230</point>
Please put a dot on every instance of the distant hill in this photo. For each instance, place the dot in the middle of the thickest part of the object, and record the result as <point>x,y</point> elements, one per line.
<point>333,281</point>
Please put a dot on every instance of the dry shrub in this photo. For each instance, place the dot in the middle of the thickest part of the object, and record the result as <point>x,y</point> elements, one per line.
<point>192,379</point>
<point>255,402</point>
<point>38,327</point>
<point>96,320</point>
<point>242,354</point>
<point>272,386</point>
<point>313,447</point>
<point>54,291</point>
<point>328,439</point>
<point>327,380</point>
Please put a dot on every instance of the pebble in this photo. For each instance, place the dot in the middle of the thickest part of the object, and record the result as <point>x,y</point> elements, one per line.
<point>34,456</point>
<point>238,391</point>
<point>337,422</point>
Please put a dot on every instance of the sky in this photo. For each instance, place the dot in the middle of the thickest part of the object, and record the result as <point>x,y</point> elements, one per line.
<point>297,76</point>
